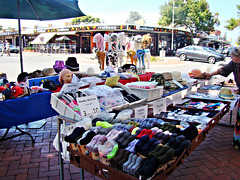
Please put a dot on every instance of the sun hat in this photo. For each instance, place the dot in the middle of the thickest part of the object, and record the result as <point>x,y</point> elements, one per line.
<point>177,75</point>
<point>167,75</point>
<point>90,71</point>
<point>71,64</point>
<point>196,72</point>
<point>226,93</point>
<point>48,72</point>
<point>58,66</point>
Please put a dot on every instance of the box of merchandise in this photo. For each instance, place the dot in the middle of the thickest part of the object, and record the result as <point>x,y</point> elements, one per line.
<point>150,94</point>
<point>62,108</point>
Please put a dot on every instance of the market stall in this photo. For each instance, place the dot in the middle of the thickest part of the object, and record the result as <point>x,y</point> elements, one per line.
<point>202,122</point>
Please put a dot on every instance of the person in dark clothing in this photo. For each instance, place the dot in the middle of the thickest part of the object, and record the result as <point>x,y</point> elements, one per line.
<point>232,67</point>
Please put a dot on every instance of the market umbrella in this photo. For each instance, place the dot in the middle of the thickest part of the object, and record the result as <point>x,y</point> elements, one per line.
<point>38,10</point>
<point>63,38</point>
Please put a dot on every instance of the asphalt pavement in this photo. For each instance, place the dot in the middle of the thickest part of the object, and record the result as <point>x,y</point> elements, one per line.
<point>38,61</point>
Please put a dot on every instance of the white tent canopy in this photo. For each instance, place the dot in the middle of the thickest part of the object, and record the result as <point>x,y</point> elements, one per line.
<point>43,38</point>
<point>63,38</point>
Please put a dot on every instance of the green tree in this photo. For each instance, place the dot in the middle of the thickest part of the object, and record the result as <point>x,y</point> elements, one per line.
<point>134,16</point>
<point>85,19</point>
<point>233,23</point>
<point>193,15</point>
<point>238,40</point>
<point>1,27</point>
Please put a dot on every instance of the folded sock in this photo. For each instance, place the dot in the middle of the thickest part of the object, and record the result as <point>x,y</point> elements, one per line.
<point>156,149</point>
<point>142,141</point>
<point>167,156</point>
<point>165,138</point>
<point>75,135</point>
<point>123,138</point>
<point>119,136</point>
<point>128,140</point>
<point>179,150</point>
<point>134,167</point>
<point>148,167</point>
<point>87,138</point>
<point>123,160</point>
<point>146,146</point>
<point>124,166</point>
<point>152,147</point>
<point>133,161</point>
<point>162,151</point>
<point>118,157</point>
<point>141,133</point>
<point>131,146</point>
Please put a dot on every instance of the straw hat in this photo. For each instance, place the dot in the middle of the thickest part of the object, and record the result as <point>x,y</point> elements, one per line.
<point>177,75</point>
<point>226,93</point>
<point>48,72</point>
<point>90,71</point>
<point>167,76</point>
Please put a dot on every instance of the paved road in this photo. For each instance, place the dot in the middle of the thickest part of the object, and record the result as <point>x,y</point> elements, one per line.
<point>33,61</point>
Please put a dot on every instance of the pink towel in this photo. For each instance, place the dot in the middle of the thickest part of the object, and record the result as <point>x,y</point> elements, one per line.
<point>99,40</point>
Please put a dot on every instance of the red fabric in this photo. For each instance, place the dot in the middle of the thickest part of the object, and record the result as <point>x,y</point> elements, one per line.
<point>131,129</point>
<point>152,134</point>
<point>141,133</point>
<point>146,77</point>
<point>125,81</point>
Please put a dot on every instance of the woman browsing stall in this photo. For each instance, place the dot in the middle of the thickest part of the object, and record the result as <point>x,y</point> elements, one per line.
<point>232,67</point>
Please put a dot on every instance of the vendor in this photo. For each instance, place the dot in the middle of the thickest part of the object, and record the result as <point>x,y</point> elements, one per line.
<point>232,67</point>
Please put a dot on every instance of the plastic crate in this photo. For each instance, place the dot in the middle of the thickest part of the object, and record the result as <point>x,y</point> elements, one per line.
<point>62,108</point>
<point>150,94</point>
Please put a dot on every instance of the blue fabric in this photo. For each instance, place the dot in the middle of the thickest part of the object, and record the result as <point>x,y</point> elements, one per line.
<point>27,109</point>
<point>173,92</point>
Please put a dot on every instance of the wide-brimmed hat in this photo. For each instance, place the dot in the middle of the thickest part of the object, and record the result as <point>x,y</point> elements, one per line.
<point>195,72</point>
<point>167,75</point>
<point>48,72</point>
<point>177,75</point>
<point>226,93</point>
<point>71,64</point>
<point>58,66</point>
<point>90,72</point>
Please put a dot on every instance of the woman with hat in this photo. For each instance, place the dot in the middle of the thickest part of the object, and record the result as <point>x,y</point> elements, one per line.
<point>232,67</point>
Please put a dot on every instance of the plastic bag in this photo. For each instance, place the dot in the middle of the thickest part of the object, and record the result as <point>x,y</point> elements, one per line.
<point>125,114</point>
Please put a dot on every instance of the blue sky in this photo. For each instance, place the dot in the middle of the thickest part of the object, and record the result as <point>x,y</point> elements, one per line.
<point>116,12</point>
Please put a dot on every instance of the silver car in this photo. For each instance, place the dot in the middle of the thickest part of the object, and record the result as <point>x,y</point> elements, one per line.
<point>199,53</point>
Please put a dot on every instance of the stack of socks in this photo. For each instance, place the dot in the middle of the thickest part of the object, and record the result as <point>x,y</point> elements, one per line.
<point>75,135</point>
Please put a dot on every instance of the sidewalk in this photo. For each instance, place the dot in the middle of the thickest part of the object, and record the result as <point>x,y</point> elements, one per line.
<point>214,158</point>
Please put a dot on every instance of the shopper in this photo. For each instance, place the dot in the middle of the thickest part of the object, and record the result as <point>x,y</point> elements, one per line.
<point>8,48</point>
<point>3,48</point>
<point>232,67</point>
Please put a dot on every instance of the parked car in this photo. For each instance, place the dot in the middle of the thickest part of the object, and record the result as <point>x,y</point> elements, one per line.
<point>199,53</point>
<point>13,49</point>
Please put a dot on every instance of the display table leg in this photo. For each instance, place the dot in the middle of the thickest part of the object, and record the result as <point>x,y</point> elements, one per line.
<point>59,122</point>
<point>81,174</point>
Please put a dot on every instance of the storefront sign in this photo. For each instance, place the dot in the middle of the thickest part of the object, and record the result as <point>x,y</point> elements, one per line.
<point>141,112</point>
<point>159,106</point>
<point>89,106</point>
